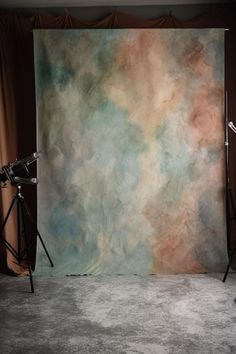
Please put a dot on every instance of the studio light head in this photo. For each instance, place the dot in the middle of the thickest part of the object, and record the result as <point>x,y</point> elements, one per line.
<point>17,172</point>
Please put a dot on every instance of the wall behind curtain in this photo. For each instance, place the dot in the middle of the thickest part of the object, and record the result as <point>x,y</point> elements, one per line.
<point>17,102</point>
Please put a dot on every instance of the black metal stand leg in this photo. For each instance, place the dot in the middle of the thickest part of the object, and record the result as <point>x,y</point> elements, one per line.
<point>19,232</point>
<point>25,235</point>
<point>45,249</point>
<point>23,213</point>
<point>37,232</point>
<point>8,214</point>
<point>3,241</point>
<point>228,266</point>
<point>232,219</point>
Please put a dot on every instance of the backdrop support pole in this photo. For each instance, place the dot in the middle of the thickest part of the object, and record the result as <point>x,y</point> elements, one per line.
<point>229,197</point>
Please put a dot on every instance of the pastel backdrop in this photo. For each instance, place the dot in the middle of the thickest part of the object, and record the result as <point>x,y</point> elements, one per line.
<point>131,134</point>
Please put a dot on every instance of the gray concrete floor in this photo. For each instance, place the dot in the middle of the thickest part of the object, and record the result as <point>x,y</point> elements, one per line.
<point>119,314</point>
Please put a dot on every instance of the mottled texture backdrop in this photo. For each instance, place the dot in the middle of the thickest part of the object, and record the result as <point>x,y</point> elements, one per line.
<point>131,130</point>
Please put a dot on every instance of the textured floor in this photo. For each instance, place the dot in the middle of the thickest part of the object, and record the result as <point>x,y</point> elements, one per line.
<point>119,314</point>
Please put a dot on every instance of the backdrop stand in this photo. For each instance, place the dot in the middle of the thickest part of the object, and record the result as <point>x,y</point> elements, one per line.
<point>230,206</point>
<point>231,219</point>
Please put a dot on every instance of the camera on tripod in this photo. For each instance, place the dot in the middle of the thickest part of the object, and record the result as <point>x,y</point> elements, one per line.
<point>17,172</point>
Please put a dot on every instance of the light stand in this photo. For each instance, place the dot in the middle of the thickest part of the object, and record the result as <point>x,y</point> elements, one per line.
<point>23,215</point>
<point>17,173</point>
<point>229,197</point>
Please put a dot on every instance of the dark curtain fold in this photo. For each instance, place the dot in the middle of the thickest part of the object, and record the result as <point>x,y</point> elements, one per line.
<point>17,93</point>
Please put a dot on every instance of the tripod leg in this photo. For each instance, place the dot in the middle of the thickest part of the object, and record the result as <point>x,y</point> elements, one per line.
<point>3,241</point>
<point>35,227</point>
<point>26,244</point>
<point>18,232</point>
<point>45,249</point>
<point>7,216</point>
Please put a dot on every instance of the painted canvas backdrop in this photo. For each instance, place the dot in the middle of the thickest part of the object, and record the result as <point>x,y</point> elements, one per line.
<point>131,131</point>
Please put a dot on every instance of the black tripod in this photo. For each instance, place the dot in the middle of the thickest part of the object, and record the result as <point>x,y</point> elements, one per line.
<point>23,214</point>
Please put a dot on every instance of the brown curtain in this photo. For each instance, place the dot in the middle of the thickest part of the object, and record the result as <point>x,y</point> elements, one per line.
<point>17,96</point>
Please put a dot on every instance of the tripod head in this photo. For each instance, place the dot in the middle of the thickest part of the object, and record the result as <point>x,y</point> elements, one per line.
<point>17,172</point>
